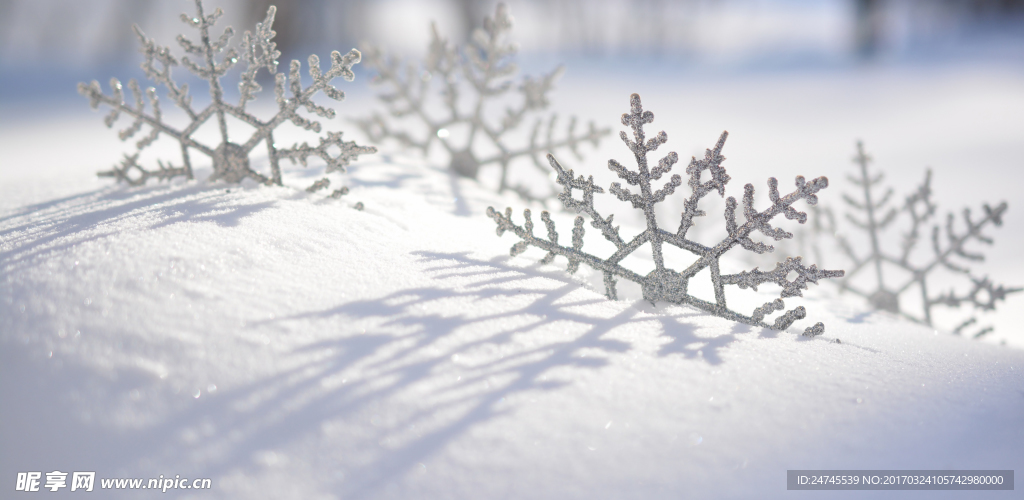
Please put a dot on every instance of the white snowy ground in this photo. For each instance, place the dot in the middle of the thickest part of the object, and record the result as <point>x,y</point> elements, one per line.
<point>288,346</point>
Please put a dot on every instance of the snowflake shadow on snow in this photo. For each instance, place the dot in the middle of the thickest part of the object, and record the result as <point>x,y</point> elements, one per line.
<point>60,224</point>
<point>410,360</point>
<point>681,332</point>
<point>212,435</point>
<point>390,363</point>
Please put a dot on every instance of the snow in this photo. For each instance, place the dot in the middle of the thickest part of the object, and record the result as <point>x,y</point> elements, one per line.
<point>288,346</point>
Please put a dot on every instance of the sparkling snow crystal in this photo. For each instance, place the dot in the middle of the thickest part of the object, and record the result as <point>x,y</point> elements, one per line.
<point>876,215</point>
<point>664,283</point>
<point>231,160</point>
<point>466,133</point>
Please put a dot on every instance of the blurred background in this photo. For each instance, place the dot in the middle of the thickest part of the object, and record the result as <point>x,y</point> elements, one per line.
<point>926,83</point>
<point>43,40</point>
<point>47,46</point>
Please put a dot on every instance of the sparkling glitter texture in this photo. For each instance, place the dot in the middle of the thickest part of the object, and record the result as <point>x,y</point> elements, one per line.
<point>231,160</point>
<point>873,215</point>
<point>664,283</point>
<point>484,68</point>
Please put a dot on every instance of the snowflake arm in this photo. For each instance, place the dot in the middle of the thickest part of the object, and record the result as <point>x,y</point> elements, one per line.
<point>161,54</point>
<point>919,216</point>
<point>712,162</point>
<point>983,295</point>
<point>489,53</point>
<point>132,174</point>
<point>117,104</point>
<point>751,279</point>
<point>348,151</point>
<point>575,254</point>
<point>260,51</point>
<point>407,96</point>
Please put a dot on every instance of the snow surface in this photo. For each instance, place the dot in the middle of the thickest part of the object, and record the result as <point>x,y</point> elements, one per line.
<point>288,346</point>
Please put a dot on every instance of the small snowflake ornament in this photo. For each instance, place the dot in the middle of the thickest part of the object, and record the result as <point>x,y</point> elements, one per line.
<point>469,135</point>
<point>664,283</point>
<point>210,59</point>
<point>873,214</point>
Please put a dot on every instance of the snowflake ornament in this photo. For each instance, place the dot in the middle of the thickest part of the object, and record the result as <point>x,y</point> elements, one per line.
<point>231,158</point>
<point>484,68</point>
<point>664,283</point>
<point>876,215</point>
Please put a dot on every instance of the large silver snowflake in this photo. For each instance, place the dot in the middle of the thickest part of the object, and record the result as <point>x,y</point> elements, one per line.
<point>664,283</point>
<point>873,214</point>
<point>213,59</point>
<point>470,138</point>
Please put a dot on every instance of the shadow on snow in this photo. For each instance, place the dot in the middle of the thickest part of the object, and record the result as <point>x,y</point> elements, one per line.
<point>52,226</point>
<point>408,358</point>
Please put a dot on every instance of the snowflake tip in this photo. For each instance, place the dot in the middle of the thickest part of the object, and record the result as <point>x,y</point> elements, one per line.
<point>634,104</point>
<point>318,185</point>
<point>814,331</point>
<point>783,322</point>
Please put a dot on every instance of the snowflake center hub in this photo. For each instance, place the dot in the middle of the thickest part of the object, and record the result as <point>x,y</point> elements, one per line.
<point>664,284</point>
<point>886,301</point>
<point>465,164</point>
<point>230,163</point>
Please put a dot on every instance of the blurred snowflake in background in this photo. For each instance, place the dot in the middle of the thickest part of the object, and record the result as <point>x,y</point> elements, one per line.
<point>874,215</point>
<point>484,67</point>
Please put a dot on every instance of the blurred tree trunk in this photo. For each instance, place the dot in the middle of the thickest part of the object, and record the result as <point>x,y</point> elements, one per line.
<point>868,30</point>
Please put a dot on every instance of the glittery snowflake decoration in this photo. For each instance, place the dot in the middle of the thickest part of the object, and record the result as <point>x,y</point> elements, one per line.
<point>231,159</point>
<point>470,139</point>
<point>663,283</point>
<point>874,214</point>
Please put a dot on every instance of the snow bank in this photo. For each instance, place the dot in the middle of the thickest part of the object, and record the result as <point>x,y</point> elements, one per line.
<point>289,346</point>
